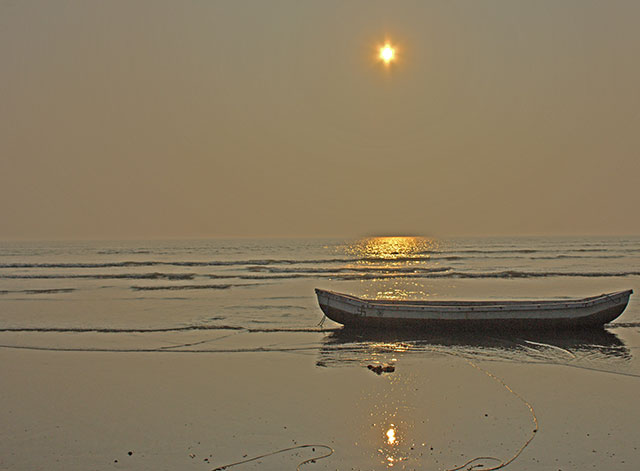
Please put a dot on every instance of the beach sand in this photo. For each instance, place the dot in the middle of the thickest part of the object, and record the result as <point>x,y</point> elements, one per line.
<point>170,410</point>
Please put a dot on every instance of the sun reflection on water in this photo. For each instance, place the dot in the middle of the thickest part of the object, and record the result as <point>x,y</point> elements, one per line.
<point>400,290</point>
<point>393,248</point>
<point>392,266</point>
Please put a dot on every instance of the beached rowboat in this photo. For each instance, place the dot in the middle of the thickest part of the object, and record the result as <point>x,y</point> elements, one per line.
<point>533,314</point>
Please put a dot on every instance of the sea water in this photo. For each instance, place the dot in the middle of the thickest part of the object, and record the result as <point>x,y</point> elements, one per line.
<point>203,296</point>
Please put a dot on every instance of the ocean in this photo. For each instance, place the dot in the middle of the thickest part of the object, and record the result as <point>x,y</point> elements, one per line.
<point>185,296</point>
<point>205,353</point>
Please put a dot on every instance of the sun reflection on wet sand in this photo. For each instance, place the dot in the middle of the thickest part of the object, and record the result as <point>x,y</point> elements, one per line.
<point>391,451</point>
<point>391,421</point>
<point>391,436</point>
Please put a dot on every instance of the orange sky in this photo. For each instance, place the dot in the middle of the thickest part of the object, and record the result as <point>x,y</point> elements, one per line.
<point>206,119</point>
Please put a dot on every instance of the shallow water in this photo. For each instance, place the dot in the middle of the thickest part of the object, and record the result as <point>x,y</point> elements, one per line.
<point>185,296</point>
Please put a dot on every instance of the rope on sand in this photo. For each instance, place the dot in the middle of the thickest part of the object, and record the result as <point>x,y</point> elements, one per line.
<point>467,465</point>
<point>310,460</point>
<point>502,463</point>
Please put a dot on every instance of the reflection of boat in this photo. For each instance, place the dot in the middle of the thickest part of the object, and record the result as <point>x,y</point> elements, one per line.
<point>584,347</point>
<point>521,315</point>
<point>591,340</point>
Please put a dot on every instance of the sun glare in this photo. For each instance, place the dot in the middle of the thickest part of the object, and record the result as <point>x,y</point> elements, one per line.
<point>387,53</point>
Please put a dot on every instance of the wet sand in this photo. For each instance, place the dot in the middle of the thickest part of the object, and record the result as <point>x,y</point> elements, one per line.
<point>80,410</point>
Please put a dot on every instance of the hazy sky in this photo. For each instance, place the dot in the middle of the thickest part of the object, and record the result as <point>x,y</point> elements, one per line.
<point>123,119</point>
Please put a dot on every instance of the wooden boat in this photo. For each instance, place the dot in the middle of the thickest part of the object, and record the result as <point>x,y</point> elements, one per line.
<point>548,314</point>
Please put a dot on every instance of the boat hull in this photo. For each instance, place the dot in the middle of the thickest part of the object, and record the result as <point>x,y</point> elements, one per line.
<point>500,315</point>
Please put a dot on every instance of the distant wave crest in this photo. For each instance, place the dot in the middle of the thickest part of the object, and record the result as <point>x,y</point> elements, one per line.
<point>181,287</point>
<point>424,256</point>
<point>38,291</point>
<point>101,276</point>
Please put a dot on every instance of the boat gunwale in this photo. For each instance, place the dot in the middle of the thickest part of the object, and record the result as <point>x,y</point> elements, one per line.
<point>479,306</point>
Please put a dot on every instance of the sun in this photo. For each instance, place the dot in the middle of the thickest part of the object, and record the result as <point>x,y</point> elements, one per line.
<point>387,53</point>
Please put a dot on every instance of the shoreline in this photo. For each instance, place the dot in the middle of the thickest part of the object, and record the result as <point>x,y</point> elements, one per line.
<point>84,410</point>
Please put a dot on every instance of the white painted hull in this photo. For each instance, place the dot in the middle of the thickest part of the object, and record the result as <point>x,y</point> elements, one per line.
<point>592,311</point>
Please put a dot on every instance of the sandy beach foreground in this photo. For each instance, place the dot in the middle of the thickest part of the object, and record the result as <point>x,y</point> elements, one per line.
<point>101,410</point>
